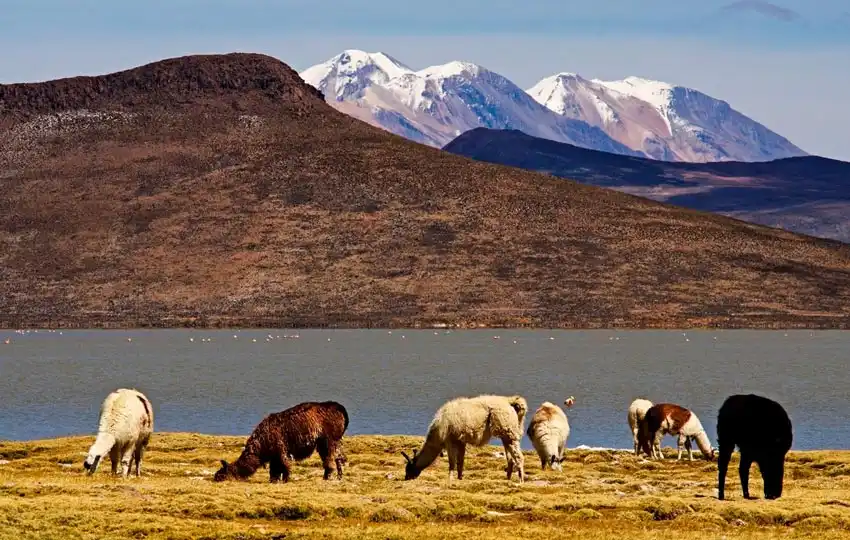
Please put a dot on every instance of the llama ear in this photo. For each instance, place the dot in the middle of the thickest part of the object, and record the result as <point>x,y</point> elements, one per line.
<point>223,464</point>
<point>563,459</point>
<point>414,453</point>
<point>406,457</point>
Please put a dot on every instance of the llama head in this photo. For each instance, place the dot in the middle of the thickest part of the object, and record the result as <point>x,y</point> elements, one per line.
<point>555,463</point>
<point>226,472</point>
<point>91,463</point>
<point>570,401</point>
<point>102,446</point>
<point>411,471</point>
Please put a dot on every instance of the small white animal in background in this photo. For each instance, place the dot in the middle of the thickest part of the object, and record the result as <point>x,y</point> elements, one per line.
<point>124,430</point>
<point>637,410</point>
<point>548,431</point>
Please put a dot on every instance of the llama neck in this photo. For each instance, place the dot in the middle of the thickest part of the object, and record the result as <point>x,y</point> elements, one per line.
<point>703,443</point>
<point>246,465</point>
<point>430,450</point>
<point>103,444</point>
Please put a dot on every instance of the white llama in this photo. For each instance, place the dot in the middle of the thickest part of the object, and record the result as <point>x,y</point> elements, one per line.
<point>126,424</point>
<point>474,421</point>
<point>637,410</point>
<point>548,431</point>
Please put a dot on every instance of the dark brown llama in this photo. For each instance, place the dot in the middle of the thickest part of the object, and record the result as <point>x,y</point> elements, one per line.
<point>290,435</point>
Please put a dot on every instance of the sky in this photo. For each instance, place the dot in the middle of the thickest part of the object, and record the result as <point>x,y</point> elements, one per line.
<point>784,63</point>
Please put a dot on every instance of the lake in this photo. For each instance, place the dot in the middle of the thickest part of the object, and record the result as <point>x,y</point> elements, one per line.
<point>224,381</point>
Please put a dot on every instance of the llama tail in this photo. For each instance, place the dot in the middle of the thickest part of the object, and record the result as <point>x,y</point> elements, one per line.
<point>644,436</point>
<point>344,412</point>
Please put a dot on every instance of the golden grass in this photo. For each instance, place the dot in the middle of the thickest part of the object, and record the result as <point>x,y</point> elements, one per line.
<point>44,493</point>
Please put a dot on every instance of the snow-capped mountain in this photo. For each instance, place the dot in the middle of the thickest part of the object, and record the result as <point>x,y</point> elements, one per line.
<point>632,117</point>
<point>662,120</point>
<point>347,74</point>
<point>436,104</point>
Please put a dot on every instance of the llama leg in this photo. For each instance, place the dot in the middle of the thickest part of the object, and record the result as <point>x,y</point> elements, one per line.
<point>339,459</point>
<point>515,458</point>
<point>137,456</point>
<point>724,455</point>
<point>451,450</point>
<point>126,457</point>
<point>461,454</point>
<point>285,466</point>
<point>635,438</point>
<point>326,451</point>
<point>115,458</point>
<point>689,446</point>
<point>333,451</point>
<point>680,445</point>
<point>656,443</point>
<point>275,470</point>
<point>744,473</point>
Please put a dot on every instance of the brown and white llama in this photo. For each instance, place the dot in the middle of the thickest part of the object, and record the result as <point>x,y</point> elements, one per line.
<point>472,420</point>
<point>672,419</point>
<point>548,431</point>
<point>292,434</point>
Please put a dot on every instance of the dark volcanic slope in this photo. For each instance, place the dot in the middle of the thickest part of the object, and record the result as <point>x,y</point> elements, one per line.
<point>221,190</point>
<point>809,195</point>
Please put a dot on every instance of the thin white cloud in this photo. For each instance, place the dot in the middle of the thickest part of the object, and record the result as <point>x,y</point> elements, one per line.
<point>762,7</point>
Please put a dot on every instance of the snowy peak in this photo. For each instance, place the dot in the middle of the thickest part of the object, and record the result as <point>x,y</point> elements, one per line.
<point>452,69</point>
<point>349,73</point>
<point>632,116</point>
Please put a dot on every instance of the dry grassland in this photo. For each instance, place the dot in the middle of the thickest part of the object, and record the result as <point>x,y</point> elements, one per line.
<point>44,493</point>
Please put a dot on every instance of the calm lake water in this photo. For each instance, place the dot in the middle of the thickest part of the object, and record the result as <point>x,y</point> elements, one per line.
<point>52,384</point>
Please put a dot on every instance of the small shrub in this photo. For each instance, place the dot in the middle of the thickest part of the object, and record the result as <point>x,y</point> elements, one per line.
<point>586,514</point>
<point>347,512</point>
<point>663,510</point>
<point>815,523</point>
<point>390,514</point>
<point>635,515</point>
<point>293,512</point>
<point>457,511</point>
<point>702,519</point>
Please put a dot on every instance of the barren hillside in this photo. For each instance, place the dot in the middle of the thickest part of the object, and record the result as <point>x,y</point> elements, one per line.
<point>222,190</point>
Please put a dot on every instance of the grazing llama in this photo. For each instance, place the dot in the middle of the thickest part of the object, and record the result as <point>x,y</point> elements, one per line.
<point>123,432</point>
<point>669,418</point>
<point>548,431</point>
<point>474,421</point>
<point>761,429</point>
<point>637,410</point>
<point>290,435</point>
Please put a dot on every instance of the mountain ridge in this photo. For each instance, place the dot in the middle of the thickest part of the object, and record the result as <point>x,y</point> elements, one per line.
<point>806,194</point>
<point>231,207</point>
<point>633,116</point>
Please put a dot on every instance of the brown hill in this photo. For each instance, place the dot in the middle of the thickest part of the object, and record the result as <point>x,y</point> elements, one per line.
<point>221,190</point>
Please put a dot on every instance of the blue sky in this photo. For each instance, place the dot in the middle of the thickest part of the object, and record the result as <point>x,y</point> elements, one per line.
<point>784,63</point>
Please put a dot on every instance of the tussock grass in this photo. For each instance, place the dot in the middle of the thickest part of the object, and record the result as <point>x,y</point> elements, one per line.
<point>44,493</point>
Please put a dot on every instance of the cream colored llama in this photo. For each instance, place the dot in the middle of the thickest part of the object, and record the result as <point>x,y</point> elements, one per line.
<point>548,431</point>
<point>637,410</point>
<point>669,418</point>
<point>126,424</point>
<point>474,421</point>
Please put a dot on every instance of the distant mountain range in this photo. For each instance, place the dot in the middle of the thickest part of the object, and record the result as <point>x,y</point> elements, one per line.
<point>633,117</point>
<point>809,195</point>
